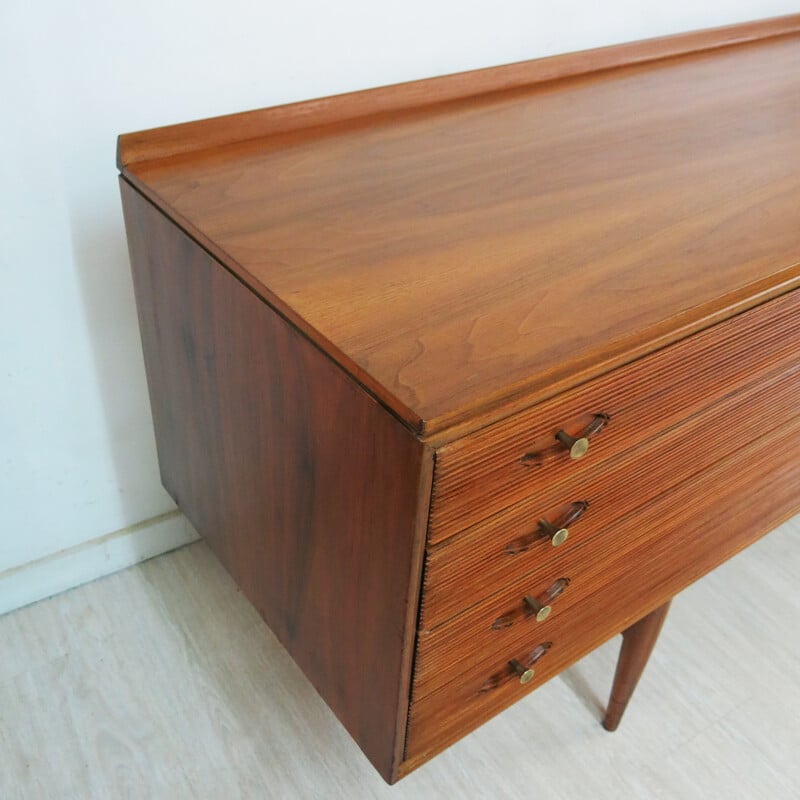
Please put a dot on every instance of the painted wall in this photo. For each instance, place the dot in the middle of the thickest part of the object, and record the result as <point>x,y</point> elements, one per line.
<point>77,455</point>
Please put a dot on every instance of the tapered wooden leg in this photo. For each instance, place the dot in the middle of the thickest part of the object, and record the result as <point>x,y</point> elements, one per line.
<point>637,644</point>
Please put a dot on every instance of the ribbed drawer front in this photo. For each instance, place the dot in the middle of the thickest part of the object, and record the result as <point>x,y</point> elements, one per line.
<point>611,565</point>
<point>497,551</point>
<point>463,680</point>
<point>481,474</point>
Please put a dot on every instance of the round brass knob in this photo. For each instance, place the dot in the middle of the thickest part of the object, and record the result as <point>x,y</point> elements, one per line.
<point>577,447</point>
<point>542,612</point>
<point>525,673</point>
<point>557,535</point>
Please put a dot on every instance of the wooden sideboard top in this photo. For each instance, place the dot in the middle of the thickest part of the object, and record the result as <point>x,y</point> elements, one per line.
<point>469,245</point>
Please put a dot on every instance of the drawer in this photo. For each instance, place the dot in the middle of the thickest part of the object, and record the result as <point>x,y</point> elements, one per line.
<point>481,474</point>
<point>608,566</point>
<point>511,544</point>
<point>658,567</point>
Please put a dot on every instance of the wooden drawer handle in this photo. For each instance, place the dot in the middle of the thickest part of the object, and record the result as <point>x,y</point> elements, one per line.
<point>557,532</point>
<point>524,669</point>
<point>540,607</point>
<point>525,673</point>
<point>521,667</point>
<point>578,446</point>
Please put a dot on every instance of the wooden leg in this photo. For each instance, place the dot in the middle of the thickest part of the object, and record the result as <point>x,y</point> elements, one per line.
<point>637,644</point>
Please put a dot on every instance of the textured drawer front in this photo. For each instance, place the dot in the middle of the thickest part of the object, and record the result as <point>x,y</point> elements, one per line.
<point>682,526</point>
<point>752,496</point>
<point>497,551</point>
<point>483,473</point>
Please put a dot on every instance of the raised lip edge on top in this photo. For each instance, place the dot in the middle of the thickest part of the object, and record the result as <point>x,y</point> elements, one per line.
<point>187,137</point>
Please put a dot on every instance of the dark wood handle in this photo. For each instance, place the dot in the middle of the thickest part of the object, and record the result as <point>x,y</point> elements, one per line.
<point>523,667</point>
<point>540,606</point>
<point>525,673</point>
<point>557,532</point>
<point>578,445</point>
<point>516,666</point>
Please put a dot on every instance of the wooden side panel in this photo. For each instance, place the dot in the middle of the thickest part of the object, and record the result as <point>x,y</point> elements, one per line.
<point>312,495</point>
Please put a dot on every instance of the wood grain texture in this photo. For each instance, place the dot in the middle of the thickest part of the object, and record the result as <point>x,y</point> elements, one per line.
<point>189,137</point>
<point>464,569</point>
<point>514,243</point>
<point>679,535</point>
<point>638,642</point>
<point>490,470</point>
<point>755,499</point>
<point>328,291</point>
<point>312,496</point>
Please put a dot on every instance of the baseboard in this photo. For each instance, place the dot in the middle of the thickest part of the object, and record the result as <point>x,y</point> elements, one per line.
<point>36,580</point>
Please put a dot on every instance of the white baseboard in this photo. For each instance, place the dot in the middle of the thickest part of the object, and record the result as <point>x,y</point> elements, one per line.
<point>68,568</point>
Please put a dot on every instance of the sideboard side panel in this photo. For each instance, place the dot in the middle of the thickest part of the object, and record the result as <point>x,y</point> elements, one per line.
<point>311,494</point>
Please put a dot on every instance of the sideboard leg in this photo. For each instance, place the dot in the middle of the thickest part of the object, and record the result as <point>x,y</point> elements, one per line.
<point>637,644</point>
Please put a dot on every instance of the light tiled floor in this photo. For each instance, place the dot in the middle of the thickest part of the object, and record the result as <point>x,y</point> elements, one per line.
<point>161,681</point>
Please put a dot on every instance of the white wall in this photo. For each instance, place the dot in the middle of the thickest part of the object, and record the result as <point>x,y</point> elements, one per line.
<point>77,456</point>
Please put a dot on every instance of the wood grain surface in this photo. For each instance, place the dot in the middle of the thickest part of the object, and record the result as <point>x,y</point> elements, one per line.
<point>681,529</point>
<point>494,468</point>
<point>470,566</point>
<point>334,294</point>
<point>313,497</point>
<point>466,259</point>
<point>753,500</point>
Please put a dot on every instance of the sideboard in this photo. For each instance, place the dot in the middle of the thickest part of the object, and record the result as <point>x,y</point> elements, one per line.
<point>462,377</point>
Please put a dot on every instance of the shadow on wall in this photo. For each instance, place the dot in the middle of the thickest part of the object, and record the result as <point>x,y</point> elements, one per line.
<point>100,257</point>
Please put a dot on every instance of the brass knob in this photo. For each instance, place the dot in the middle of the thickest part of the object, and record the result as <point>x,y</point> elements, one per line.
<point>577,447</point>
<point>557,535</point>
<point>525,673</point>
<point>542,612</point>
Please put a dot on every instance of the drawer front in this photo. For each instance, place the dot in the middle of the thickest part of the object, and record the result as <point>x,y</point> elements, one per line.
<point>481,474</point>
<point>609,565</point>
<point>752,497</point>
<point>512,544</point>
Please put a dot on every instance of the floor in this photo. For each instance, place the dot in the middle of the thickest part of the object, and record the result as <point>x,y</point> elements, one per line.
<point>161,681</point>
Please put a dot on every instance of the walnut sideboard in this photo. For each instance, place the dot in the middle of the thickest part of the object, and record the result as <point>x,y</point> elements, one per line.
<point>460,378</point>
